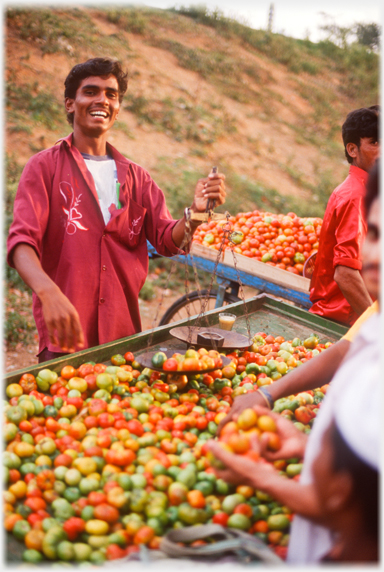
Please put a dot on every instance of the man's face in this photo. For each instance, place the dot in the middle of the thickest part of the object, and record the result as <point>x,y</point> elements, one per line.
<point>371,251</point>
<point>366,155</point>
<point>95,106</point>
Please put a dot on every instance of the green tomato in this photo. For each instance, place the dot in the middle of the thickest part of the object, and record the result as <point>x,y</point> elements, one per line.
<point>87,513</point>
<point>59,487</point>
<point>158,359</point>
<point>236,237</point>
<point>23,511</point>
<point>39,405</point>
<point>72,477</point>
<point>250,368</point>
<point>140,404</point>
<point>88,485</point>
<point>209,238</point>
<point>231,501</point>
<point>191,515</point>
<point>10,431</point>
<point>60,472</point>
<point>138,500</point>
<point>267,257</point>
<point>82,551</point>
<point>299,258</point>
<point>260,512</point>
<point>97,557</point>
<point>11,460</point>
<point>104,381</point>
<point>102,394</point>
<point>278,522</point>
<point>71,494</point>
<point>15,414</point>
<point>32,556</point>
<point>65,550</point>
<point>63,510</point>
<point>222,488</point>
<point>138,481</point>
<point>46,375</point>
<point>50,411</point>
<point>187,478</point>
<point>20,529</point>
<point>205,487</point>
<point>240,521</point>
<point>294,469</point>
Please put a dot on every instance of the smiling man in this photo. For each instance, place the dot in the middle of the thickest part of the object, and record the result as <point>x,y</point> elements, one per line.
<point>337,288</point>
<point>82,217</point>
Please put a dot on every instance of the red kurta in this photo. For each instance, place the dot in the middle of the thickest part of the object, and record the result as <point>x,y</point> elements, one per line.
<point>342,235</point>
<point>101,269</point>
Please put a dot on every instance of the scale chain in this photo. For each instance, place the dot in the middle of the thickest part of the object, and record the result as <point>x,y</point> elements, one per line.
<point>242,295</point>
<point>173,267</point>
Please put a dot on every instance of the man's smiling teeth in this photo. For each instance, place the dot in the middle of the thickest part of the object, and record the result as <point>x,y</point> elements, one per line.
<point>99,113</point>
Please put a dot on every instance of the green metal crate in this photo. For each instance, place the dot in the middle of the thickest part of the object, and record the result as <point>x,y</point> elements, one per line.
<point>265,314</point>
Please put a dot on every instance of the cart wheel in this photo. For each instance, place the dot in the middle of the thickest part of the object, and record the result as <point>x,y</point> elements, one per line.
<point>178,310</point>
<point>309,265</point>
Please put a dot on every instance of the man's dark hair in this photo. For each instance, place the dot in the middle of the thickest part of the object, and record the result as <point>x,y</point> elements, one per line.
<point>373,187</point>
<point>94,67</point>
<point>360,123</point>
<point>365,481</point>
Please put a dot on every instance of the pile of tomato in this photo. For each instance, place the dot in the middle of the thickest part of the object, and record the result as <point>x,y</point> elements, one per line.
<point>104,458</point>
<point>191,360</point>
<point>284,241</point>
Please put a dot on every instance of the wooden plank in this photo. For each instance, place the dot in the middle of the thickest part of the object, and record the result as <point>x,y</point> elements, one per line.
<point>255,268</point>
<point>269,273</point>
<point>207,253</point>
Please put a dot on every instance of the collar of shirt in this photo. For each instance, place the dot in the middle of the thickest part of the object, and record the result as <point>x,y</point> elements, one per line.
<point>122,163</point>
<point>359,173</point>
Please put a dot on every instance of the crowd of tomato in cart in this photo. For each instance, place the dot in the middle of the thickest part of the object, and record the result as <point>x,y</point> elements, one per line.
<point>284,241</point>
<point>101,459</point>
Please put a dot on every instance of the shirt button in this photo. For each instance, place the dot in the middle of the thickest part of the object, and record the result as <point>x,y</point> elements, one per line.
<point>104,268</point>
<point>102,300</point>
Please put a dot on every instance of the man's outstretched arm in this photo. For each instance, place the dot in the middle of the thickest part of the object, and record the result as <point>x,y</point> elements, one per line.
<point>60,316</point>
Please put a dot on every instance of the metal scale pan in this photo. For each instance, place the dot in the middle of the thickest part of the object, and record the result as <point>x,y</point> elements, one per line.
<point>232,340</point>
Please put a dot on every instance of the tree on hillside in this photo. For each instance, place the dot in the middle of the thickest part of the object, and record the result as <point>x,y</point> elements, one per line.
<point>367,35</point>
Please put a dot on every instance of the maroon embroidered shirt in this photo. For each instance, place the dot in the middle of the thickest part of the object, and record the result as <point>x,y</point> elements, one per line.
<point>100,268</point>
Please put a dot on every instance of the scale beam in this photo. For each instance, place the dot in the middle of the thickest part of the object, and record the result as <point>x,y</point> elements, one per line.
<point>204,217</point>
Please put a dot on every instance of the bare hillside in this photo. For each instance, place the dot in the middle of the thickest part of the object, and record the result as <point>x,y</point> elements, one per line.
<point>196,97</point>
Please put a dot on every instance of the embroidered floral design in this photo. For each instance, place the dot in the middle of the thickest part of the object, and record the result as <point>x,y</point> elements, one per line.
<point>72,213</point>
<point>134,230</point>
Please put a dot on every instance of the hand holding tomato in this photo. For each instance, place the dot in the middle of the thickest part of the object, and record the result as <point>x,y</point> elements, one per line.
<point>62,320</point>
<point>292,441</point>
<point>239,469</point>
<point>240,403</point>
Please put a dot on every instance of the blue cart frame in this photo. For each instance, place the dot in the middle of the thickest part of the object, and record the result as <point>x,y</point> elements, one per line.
<point>227,277</point>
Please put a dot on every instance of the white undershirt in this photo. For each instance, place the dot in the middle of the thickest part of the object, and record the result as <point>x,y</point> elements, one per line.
<point>104,173</point>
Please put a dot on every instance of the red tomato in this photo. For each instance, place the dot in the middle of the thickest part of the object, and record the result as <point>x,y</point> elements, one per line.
<point>135,427</point>
<point>97,497</point>
<point>220,518</point>
<point>106,512</point>
<point>170,364</point>
<point>74,526</point>
<point>129,357</point>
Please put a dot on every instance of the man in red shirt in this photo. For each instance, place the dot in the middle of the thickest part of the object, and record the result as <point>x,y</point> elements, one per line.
<point>82,217</point>
<point>337,289</point>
